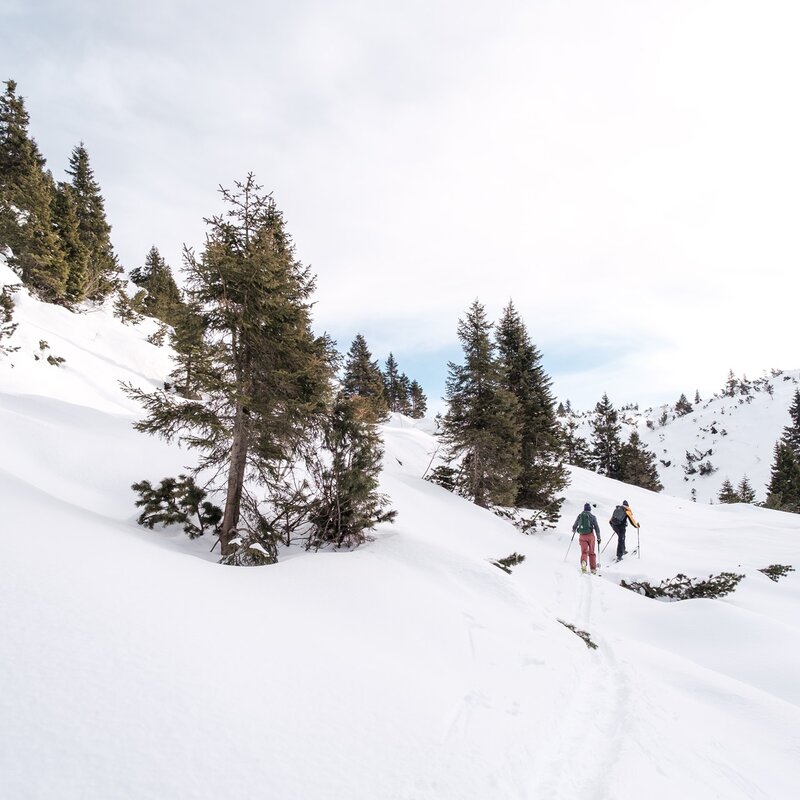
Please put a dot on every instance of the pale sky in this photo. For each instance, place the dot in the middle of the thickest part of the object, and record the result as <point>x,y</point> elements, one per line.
<point>626,171</point>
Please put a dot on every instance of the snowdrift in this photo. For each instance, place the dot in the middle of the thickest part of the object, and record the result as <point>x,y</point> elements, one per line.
<point>134,666</point>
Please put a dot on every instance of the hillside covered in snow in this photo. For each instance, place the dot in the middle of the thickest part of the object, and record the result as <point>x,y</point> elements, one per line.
<point>135,666</point>
<point>728,436</point>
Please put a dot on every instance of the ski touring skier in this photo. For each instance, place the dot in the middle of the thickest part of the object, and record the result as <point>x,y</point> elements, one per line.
<point>586,525</point>
<point>619,523</point>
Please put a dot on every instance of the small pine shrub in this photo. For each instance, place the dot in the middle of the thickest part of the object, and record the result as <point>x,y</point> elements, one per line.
<point>250,550</point>
<point>177,501</point>
<point>581,634</point>
<point>777,571</point>
<point>505,564</point>
<point>443,476</point>
<point>682,587</point>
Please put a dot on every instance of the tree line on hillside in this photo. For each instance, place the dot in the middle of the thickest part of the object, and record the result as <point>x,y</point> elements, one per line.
<point>57,232</point>
<point>606,452</point>
<point>292,449</point>
<point>286,428</point>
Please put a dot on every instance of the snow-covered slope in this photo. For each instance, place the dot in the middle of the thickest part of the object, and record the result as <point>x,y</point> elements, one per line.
<point>735,434</point>
<point>133,666</point>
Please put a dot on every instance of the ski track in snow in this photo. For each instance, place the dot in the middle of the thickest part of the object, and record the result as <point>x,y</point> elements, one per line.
<point>580,755</point>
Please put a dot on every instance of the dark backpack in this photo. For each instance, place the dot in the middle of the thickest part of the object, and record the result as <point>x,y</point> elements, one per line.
<point>585,522</point>
<point>619,516</point>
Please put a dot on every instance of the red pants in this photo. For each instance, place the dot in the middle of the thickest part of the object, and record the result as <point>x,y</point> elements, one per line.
<point>587,549</point>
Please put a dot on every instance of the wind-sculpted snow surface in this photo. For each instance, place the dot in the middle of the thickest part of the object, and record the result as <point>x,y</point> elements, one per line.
<point>133,666</point>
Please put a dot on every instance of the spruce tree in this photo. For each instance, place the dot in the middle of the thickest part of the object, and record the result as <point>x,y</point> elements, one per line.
<point>345,471</point>
<point>683,406</point>
<point>606,444</point>
<point>783,490</point>
<point>391,380</point>
<point>727,494</point>
<point>65,220</point>
<point>419,403</point>
<point>745,491</point>
<point>404,394</point>
<point>363,381</point>
<point>270,380</point>
<point>163,299</point>
<point>542,473</point>
<point>26,204</point>
<point>481,427</point>
<point>576,448</point>
<point>791,433</point>
<point>94,230</point>
<point>637,465</point>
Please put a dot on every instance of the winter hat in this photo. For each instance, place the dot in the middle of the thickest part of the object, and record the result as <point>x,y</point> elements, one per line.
<point>587,507</point>
<point>625,502</point>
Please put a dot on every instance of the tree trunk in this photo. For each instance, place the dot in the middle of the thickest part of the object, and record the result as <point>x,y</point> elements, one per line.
<point>233,500</point>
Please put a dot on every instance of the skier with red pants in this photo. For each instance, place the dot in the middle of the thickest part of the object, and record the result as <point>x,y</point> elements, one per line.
<point>586,525</point>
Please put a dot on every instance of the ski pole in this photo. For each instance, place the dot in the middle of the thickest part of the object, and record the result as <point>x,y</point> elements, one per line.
<point>569,545</point>
<point>638,545</point>
<point>606,544</point>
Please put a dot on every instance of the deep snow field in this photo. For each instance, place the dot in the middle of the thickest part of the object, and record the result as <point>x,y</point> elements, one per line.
<point>133,666</point>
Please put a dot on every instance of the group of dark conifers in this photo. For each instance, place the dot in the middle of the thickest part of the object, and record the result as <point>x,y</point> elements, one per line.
<point>586,525</point>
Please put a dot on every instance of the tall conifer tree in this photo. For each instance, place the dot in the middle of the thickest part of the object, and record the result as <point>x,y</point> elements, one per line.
<point>606,444</point>
<point>364,382</point>
<point>783,490</point>
<point>419,403</point>
<point>163,300</point>
<point>542,473</point>
<point>95,232</point>
<point>65,218</point>
<point>791,433</point>
<point>271,376</point>
<point>637,465</point>
<point>481,427</point>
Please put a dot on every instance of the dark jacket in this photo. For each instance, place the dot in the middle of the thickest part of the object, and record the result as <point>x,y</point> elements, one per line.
<point>624,524</point>
<point>595,525</point>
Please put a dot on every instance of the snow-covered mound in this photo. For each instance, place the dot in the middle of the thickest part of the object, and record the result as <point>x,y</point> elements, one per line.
<point>133,666</point>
